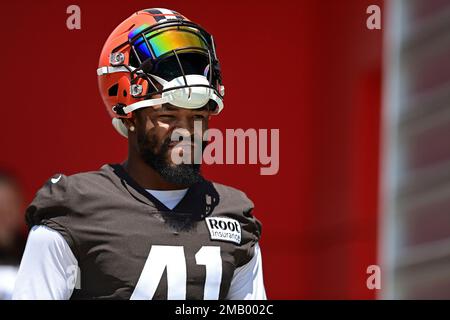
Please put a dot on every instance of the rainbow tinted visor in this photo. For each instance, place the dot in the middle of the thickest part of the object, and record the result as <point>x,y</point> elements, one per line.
<point>155,44</point>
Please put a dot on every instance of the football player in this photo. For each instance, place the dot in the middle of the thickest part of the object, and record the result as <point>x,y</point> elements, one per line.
<point>150,227</point>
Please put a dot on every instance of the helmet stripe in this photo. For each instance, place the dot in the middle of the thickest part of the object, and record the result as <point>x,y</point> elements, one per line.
<point>158,15</point>
<point>161,14</point>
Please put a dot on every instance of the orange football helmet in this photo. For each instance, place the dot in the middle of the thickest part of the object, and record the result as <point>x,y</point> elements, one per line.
<point>158,56</point>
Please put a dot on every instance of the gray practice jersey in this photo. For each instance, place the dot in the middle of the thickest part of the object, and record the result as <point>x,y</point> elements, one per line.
<point>126,241</point>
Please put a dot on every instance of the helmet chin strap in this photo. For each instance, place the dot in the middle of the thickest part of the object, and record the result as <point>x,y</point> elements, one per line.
<point>120,127</point>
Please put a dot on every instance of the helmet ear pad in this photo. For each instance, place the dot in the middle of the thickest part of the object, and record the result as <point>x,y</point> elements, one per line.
<point>120,127</point>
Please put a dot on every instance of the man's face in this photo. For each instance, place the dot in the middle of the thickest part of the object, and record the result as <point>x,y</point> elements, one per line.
<point>155,128</point>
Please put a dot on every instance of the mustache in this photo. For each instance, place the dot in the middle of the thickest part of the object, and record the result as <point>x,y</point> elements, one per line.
<point>150,145</point>
<point>193,138</point>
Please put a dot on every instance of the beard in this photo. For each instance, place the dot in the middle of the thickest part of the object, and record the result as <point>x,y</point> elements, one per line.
<point>181,174</point>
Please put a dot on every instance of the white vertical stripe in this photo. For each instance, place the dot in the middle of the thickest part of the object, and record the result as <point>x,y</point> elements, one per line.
<point>167,12</point>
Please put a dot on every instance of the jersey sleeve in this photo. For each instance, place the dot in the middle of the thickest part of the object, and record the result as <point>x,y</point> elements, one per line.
<point>247,282</point>
<point>251,229</point>
<point>48,270</point>
<point>52,207</point>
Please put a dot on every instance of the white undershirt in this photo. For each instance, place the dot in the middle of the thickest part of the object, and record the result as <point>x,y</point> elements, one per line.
<point>8,276</point>
<point>47,268</point>
<point>170,198</point>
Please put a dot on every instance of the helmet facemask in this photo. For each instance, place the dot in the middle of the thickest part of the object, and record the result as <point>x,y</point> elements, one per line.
<point>172,62</point>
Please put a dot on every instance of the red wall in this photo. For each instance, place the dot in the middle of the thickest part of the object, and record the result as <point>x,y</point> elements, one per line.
<point>309,68</point>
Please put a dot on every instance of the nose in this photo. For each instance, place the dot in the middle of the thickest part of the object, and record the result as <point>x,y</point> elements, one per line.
<point>186,125</point>
<point>185,119</point>
<point>185,122</point>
